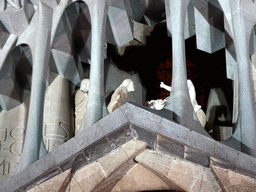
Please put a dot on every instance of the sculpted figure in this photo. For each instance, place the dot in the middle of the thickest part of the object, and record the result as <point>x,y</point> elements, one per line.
<point>119,97</point>
<point>201,117</point>
<point>192,94</point>
<point>80,103</point>
<point>157,104</point>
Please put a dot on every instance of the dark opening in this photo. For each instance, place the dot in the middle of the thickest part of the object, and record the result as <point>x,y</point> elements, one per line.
<point>153,62</point>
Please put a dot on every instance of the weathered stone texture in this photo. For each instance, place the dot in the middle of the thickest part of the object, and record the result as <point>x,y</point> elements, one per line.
<point>155,161</point>
<point>133,147</point>
<point>57,183</point>
<point>206,182</point>
<point>139,178</point>
<point>87,178</point>
<point>180,174</point>
<point>184,174</point>
<point>119,156</point>
<point>231,181</point>
<point>91,175</point>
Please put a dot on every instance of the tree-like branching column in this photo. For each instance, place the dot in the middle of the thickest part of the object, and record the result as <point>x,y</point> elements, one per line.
<point>179,102</point>
<point>244,20</point>
<point>34,146</point>
<point>95,105</point>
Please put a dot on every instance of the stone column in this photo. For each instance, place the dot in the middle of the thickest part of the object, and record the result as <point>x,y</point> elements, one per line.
<point>245,127</point>
<point>96,101</point>
<point>179,102</point>
<point>34,147</point>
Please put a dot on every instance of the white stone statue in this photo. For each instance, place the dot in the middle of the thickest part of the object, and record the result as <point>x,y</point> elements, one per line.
<point>119,97</point>
<point>80,103</point>
<point>159,104</point>
<point>192,93</point>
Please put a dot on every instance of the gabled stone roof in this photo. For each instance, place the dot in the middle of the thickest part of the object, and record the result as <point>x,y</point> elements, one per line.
<point>127,123</point>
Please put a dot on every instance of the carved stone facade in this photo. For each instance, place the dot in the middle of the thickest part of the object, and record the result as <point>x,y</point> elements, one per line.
<point>45,46</point>
<point>58,113</point>
<point>11,139</point>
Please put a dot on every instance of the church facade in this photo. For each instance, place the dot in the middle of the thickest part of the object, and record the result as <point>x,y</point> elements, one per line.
<point>49,46</point>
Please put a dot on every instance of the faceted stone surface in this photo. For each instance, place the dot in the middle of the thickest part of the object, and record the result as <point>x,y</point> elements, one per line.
<point>133,147</point>
<point>184,174</point>
<point>177,173</point>
<point>232,181</point>
<point>140,179</point>
<point>86,178</point>
<point>155,161</point>
<point>206,182</point>
<point>108,167</point>
<point>96,172</point>
<point>111,161</point>
<point>57,183</point>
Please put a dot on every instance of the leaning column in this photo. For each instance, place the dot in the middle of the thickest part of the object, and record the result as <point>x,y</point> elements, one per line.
<point>95,110</point>
<point>34,147</point>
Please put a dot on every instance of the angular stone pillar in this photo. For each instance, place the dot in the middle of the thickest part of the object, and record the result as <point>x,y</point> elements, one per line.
<point>210,26</point>
<point>189,29</point>
<point>34,147</point>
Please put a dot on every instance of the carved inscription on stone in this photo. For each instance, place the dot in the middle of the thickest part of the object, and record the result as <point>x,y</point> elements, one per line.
<point>12,133</point>
<point>11,141</point>
<point>56,134</point>
<point>58,126</point>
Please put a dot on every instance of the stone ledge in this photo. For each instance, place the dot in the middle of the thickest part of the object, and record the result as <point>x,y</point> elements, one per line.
<point>146,136</point>
<point>196,156</point>
<point>227,165</point>
<point>31,174</point>
<point>63,156</point>
<point>105,126</point>
<point>183,137</point>
<point>88,176</point>
<point>170,146</point>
